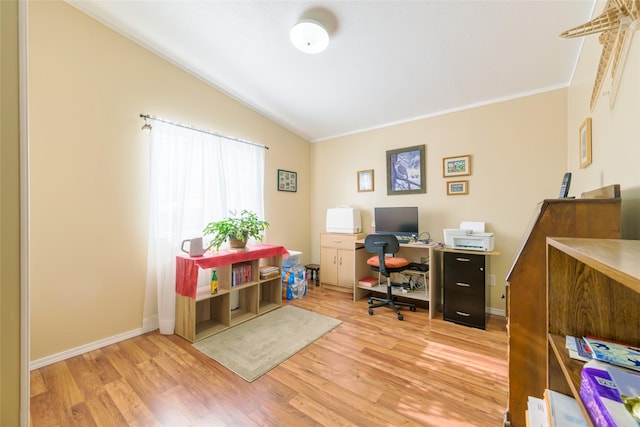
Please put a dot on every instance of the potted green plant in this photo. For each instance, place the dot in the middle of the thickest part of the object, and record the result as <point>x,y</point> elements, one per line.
<point>238,229</point>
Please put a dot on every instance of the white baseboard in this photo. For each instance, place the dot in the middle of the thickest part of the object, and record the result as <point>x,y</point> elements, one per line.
<point>495,311</point>
<point>148,324</point>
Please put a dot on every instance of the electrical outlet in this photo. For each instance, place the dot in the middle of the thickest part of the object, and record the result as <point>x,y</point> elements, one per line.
<point>492,280</point>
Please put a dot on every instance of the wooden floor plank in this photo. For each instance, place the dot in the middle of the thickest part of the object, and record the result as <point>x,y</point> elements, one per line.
<point>372,370</point>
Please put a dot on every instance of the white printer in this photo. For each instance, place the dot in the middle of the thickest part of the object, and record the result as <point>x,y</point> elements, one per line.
<point>470,236</point>
<point>343,219</point>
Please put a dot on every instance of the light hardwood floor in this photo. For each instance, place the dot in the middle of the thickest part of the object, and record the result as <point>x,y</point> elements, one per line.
<point>369,371</point>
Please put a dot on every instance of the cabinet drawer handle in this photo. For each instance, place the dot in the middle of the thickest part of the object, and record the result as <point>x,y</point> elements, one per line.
<point>337,241</point>
<point>340,260</point>
<point>462,313</point>
<point>466,285</point>
<point>463,259</point>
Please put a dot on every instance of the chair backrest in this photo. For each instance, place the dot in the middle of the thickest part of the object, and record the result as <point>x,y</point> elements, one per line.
<point>381,244</point>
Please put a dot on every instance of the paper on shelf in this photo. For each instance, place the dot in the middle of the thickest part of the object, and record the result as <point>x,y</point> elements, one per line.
<point>474,226</point>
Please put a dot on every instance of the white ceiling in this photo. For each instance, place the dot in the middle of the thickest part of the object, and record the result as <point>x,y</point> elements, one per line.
<point>387,62</point>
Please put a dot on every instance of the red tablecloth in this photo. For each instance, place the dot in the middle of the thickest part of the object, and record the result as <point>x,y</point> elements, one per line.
<point>187,266</point>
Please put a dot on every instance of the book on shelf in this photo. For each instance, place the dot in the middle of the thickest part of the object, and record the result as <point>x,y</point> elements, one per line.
<point>268,271</point>
<point>613,352</point>
<point>601,397</point>
<point>369,282</point>
<point>563,410</point>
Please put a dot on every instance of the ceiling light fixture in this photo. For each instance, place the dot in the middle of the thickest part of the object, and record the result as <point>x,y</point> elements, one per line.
<point>309,36</point>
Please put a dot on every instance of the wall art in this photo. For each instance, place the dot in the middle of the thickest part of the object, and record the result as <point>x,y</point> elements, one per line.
<point>585,143</point>
<point>287,181</point>
<point>456,166</point>
<point>365,180</point>
<point>455,188</point>
<point>406,171</point>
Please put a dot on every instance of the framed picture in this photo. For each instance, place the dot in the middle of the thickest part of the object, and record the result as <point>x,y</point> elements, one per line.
<point>287,181</point>
<point>456,166</point>
<point>365,180</point>
<point>406,171</point>
<point>585,143</point>
<point>455,188</point>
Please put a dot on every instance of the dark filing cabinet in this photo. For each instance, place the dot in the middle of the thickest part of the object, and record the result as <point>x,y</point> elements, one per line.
<point>464,289</point>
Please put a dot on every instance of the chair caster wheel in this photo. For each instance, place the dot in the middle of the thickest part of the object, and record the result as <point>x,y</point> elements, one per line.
<point>400,317</point>
<point>370,311</point>
<point>370,301</point>
<point>412,309</point>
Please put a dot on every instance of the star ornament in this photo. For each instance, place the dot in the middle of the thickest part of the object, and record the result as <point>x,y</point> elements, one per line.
<point>616,24</point>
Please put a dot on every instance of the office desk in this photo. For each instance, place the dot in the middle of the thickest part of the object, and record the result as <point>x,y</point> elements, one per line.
<point>432,291</point>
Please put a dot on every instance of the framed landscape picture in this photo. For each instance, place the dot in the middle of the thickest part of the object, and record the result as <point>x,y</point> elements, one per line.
<point>406,173</point>
<point>456,166</point>
<point>455,188</point>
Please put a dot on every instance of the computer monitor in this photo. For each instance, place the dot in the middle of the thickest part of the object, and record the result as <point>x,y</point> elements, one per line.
<point>399,221</point>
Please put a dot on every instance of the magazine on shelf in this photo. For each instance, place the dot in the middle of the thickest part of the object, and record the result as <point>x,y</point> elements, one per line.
<point>577,348</point>
<point>536,412</point>
<point>563,410</point>
<point>616,353</point>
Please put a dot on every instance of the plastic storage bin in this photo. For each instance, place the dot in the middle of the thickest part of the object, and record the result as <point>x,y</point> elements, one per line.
<point>294,258</point>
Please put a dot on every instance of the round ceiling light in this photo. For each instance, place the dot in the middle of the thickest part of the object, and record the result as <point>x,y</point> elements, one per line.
<point>309,36</point>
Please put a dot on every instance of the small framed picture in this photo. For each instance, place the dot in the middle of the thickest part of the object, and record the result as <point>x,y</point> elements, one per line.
<point>287,181</point>
<point>456,188</point>
<point>456,166</point>
<point>365,180</point>
<point>585,143</point>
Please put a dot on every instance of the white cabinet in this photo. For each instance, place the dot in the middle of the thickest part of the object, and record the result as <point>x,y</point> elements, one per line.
<point>339,253</point>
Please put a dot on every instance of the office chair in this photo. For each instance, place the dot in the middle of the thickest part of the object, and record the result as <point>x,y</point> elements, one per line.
<point>381,244</point>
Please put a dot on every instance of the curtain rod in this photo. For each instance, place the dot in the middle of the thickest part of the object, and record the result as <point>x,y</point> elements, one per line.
<point>147,116</point>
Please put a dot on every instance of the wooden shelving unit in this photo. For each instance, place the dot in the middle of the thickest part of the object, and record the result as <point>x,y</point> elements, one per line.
<point>208,314</point>
<point>527,287</point>
<point>593,289</point>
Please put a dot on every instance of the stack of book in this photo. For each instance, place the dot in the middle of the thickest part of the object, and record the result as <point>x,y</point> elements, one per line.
<point>368,282</point>
<point>609,381</point>
<point>269,271</point>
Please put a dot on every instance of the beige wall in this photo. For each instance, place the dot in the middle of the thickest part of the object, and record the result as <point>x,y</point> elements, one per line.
<point>89,172</point>
<point>518,159</point>
<point>10,346</point>
<point>88,176</point>
<point>615,141</point>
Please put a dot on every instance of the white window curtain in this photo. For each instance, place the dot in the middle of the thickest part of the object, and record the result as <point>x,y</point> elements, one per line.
<point>195,178</point>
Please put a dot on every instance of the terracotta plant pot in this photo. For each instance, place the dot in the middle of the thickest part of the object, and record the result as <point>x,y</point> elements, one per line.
<point>237,244</point>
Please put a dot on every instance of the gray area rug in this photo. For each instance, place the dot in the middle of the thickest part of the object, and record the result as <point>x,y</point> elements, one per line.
<point>253,348</point>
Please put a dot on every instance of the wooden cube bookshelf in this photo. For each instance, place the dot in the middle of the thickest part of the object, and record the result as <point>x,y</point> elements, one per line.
<point>208,314</point>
